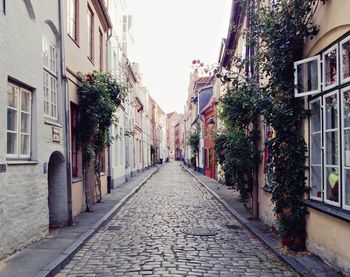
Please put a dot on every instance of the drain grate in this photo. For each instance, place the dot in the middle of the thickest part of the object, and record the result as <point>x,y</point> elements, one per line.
<point>114,228</point>
<point>233,227</point>
<point>199,232</point>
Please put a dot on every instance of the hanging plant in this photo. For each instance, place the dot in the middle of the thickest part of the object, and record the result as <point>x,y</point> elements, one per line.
<point>99,97</point>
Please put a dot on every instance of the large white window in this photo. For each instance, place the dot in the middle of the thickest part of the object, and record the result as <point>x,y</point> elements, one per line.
<point>329,133</point>
<point>18,121</point>
<point>50,79</point>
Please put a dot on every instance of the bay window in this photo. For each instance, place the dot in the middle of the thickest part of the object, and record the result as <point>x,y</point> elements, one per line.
<point>18,121</point>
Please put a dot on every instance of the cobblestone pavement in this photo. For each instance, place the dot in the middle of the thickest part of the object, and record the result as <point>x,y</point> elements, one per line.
<point>145,237</point>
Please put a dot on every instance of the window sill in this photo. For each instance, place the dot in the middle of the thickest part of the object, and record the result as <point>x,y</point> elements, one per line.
<point>77,179</point>
<point>75,41</point>
<point>53,123</point>
<point>22,162</point>
<point>330,210</point>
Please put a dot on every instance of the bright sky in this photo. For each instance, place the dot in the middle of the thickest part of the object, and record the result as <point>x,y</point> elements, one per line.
<point>169,34</point>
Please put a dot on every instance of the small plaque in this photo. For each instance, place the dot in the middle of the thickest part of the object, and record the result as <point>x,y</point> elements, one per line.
<point>45,168</point>
<point>2,168</point>
<point>56,134</point>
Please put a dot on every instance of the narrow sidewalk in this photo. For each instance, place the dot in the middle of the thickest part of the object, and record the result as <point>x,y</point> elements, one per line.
<point>47,256</point>
<point>307,265</point>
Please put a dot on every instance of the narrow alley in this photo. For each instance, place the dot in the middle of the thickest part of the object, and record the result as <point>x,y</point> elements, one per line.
<point>151,235</point>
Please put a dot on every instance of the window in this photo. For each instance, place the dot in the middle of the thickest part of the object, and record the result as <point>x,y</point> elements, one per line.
<point>72,19</point>
<point>101,49</point>
<point>345,94</point>
<point>315,150</point>
<point>329,129</point>
<point>49,79</point>
<point>307,78</point>
<point>330,68</point>
<point>345,60</point>
<point>73,118</point>
<point>18,121</point>
<point>90,35</point>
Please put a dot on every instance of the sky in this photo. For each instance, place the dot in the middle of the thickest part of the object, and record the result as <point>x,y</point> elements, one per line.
<point>169,34</point>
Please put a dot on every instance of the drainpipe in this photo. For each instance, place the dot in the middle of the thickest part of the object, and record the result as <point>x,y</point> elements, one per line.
<point>109,174</point>
<point>66,125</point>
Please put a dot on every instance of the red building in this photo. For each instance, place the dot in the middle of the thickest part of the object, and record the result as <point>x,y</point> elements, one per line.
<point>209,139</point>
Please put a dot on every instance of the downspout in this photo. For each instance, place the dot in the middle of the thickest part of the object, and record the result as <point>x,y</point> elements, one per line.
<point>66,126</point>
<point>109,172</point>
<point>255,192</point>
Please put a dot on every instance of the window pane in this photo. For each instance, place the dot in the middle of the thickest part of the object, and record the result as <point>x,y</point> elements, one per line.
<point>24,145</point>
<point>316,149</point>
<point>347,186</point>
<point>25,101</point>
<point>330,67</point>
<point>52,59</point>
<point>346,108</point>
<point>12,94</point>
<point>315,182</point>
<point>332,184</point>
<point>346,143</point>
<point>331,148</point>
<point>332,112</point>
<point>315,116</point>
<point>11,143</point>
<point>11,120</point>
<point>307,74</point>
<point>45,53</point>
<point>25,123</point>
<point>345,52</point>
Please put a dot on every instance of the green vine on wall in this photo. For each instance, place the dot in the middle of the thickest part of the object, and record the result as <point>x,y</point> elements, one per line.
<point>193,141</point>
<point>277,35</point>
<point>99,97</point>
<point>283,31</point>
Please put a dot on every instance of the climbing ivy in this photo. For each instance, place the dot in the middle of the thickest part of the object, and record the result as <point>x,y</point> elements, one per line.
<point>99,97</point>
<point>193,141</point>
<point>277,34</point>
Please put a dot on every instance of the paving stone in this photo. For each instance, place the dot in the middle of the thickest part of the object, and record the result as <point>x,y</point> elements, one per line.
<point>150,241</point>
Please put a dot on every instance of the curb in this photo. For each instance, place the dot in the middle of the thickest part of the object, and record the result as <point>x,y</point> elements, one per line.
<point>59,262</point>
<point>255,231</point>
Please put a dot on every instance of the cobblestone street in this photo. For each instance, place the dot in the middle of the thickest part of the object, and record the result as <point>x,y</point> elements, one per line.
<point>145,237</point>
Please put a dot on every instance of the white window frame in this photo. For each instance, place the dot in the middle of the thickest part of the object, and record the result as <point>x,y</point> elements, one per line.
<point>314,58</point>
<point>343,80</point>
<point>71,19</point>
<point>343,129</point>
<point>18,132</point>
<point>319,99</point>
<point>325,87</point>
<point>324,131</point>
<point>50,71</point>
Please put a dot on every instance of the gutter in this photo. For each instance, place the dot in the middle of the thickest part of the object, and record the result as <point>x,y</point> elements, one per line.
<point>66,127</point>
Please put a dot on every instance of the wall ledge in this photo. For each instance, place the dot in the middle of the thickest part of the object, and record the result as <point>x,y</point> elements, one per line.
<point>330,210</point>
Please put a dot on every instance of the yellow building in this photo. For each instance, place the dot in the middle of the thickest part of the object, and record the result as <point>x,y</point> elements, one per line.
<point>326,88</point>
<point>86,30</point>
